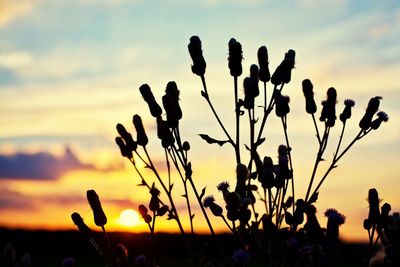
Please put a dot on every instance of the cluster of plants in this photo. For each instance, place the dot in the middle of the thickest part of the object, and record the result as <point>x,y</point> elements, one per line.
<point>284,229</point>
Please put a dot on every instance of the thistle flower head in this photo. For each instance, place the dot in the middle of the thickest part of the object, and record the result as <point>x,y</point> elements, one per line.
<point>346,114</point>
<point>372,108</point>
<point>154,191</point>
<point>100,218</point>
<point>125,152</point>
<point>208,200</point>
<point>223,186</point>
<point>196,53</point>
<point>383,116</point>
<point>130,144</point>
<point>282,105</point>
<point>171,104</point>
<point>334,216</point>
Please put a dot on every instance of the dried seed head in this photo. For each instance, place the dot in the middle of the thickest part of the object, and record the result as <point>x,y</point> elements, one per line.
<point>241,172</point>
<point>148,96</point>
<point>142,210</point>
<point>346,114</point>
<point>282,105</point>
<point>125,152</point>
<point>382,117</point>
<point>100,218</point>
<point>196,53</point>
<point>208,200</point>
<point>263,74</point>
<point>372,108</point>
<point>82,227</point>
<point>141,133</point>
<point>334,216</point>
<point>171,104</point>
<point>328,113</point>
<point>223,186</point>
<point>311,107</point>
<point>131,145</point>
<point>235,57</point>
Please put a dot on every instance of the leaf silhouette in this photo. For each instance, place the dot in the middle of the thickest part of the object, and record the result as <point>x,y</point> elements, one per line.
<point>211,140</point>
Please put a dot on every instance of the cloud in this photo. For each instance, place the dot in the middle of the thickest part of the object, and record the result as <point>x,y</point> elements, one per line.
<point>12,9</point>
<point>14,200</point>
<point>39,166</point>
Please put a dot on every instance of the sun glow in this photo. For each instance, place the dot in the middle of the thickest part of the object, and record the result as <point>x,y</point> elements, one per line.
<point>129,218</point>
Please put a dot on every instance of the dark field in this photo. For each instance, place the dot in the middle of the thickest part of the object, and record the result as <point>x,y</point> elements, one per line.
<point>50,248</point>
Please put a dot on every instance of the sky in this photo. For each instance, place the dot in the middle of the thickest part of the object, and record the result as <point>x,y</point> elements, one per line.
<point>70,71</point>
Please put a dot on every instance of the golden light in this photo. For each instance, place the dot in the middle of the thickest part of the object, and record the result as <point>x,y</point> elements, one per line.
<point>129,218</point>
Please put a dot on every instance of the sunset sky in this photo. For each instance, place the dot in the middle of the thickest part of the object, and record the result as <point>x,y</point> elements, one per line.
<point>70,71</point>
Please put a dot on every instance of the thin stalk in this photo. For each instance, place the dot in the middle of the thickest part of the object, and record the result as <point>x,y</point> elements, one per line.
<point>289,148</point>
<point>207,97</point>
<point>317,160</point>
<point>237,117</point>
<point>227,224</point>
<point>316,128</point>
<point>360,135</point>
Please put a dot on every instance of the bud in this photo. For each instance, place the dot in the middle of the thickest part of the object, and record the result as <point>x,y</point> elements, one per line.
<point>143,210</point>
<point>100,218</point>
<point>128,140</point>
<point>141,133</point>
<point>367,224</point>
<point>148,96</point>
<point>171,104</point>
<point>125,152</point>
<point>335,219</point>
<point>372,108</point>
<point>196,53</point>
<point>186,146</point>
<point>267,177</point>
<point>209,202</point>
<point>382,116</point>
<point>250,85</point>
<point>235,57</point>
<point>164,133</point>
<point>282,105</point>
<point>241,176</point>
<point>311,107</point>
<point>263,73</point>
<point>154,201</point>
<point>223,187</point>
<point>346,114</point>
<point>373,200</point>
<point>82,227</point>
<point>288,65</point>
<point>328,113</point>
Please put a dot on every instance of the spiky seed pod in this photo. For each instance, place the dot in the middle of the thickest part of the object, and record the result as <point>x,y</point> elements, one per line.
<point>148,96</point>
<point>141,137</point>
<point>196,53</point>
<point>282,105</point>
<point>382,117</point>
<point>100,218</point>
<point>262,56</point>
<point>171,104</point>
<point>346,114</point>
<point>235,57</point>
<point>128,140</point>
<point>373,200</point>
<point>241,176</point>
<point>142,210</point>
<point>308,92</point>
<point>125,152</point>
<point>82,227</point>
<point>372,108</point>
<point>223,187</point>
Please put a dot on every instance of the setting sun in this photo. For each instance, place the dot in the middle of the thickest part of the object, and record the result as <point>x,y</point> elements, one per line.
<point>129,217</point>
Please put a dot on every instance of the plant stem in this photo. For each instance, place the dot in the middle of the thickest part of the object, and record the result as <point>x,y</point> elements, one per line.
<point>237,113</point>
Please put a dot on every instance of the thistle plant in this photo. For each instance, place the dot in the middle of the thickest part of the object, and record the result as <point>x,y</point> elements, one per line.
<point>285,228</point>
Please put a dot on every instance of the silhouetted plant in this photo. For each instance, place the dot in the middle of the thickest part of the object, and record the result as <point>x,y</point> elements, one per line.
<point>286,230</point>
